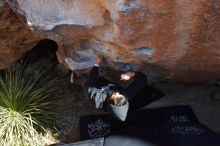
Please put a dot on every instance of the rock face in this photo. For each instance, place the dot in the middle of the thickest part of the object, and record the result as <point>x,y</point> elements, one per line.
<point>15,37</point>
<point>175,39</point>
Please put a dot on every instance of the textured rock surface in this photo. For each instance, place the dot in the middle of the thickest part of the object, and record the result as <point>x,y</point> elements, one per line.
<point>175,39</point>
<point>15,37</point>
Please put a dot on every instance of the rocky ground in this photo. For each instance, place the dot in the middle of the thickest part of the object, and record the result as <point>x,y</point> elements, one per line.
<point>72,105</point>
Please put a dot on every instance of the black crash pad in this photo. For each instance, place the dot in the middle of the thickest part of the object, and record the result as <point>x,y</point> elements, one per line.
<point>166,126</point>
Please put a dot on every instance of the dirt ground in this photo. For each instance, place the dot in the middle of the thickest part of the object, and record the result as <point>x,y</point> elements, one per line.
<point>72,104</point>
<point>204,100</point>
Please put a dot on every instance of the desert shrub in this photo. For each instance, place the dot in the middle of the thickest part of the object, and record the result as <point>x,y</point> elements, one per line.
<point>25,107</point>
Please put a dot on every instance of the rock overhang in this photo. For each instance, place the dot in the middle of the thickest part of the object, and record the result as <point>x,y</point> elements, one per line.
<point>170,40</point>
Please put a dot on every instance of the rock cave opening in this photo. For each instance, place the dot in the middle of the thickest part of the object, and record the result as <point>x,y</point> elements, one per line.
<point>43,57</point>
<point>44,49</point>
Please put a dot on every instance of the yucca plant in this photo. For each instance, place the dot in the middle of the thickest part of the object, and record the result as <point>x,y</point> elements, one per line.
<point>25,108</point>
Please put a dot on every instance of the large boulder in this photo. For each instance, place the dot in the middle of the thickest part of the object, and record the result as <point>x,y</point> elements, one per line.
<point>15,37</point>
<point>174,39</point>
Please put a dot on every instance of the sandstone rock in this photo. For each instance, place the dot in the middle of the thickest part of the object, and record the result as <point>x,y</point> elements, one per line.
<point>175,39</point>
<point>15,37</point>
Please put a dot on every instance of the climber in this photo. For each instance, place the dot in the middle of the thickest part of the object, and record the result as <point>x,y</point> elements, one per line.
<point>112,97</point>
